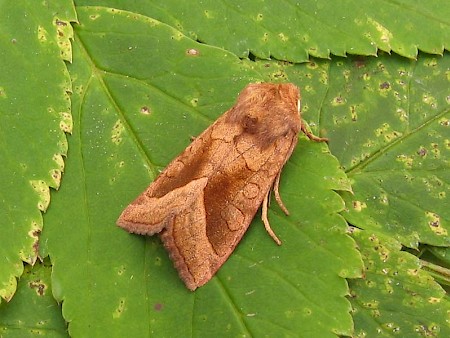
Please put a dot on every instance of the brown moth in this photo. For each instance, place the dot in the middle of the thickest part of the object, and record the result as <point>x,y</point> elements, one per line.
<point>203,202</point>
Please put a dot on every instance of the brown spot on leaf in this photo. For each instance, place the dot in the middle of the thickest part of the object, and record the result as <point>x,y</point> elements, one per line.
<point>60,23</point>
<point>385,85</point>
<point>145,110</point>
<point>39,286</point>
<point>422,151</point>
<point>360,63</point>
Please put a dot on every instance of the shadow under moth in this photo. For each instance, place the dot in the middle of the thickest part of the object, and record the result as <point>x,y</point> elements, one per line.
<point>203,202</point>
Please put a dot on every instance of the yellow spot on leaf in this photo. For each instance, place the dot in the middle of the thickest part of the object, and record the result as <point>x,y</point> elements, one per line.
<point>385,34</point>
<point>145,110</point>
<point>375,313</point>
<point>307,312</point>
<point>178,36</point>
<point>117,132</point>
<point>208,14</point>
<point>338,101</point>
<point>430,62</point>
<point>434,222</point>
<point>371,305</point>
<point>64,34</point>
<point>42,34</point>
<point>120,270</point>
<point>58,159</point>
<point>194,102</point>
<point>435,150</point>
<point>412,272</point>
<point>120,309</point>
<point>384,199</point>
<point>66,123</point>
<point>283,37</point>
<point>309,89</point>
<point>9,287</point>
<point>406,160</point>
<point>43,192</point>
<point>358,205</point>
<point>387,133</point>
<point>429,100</point>
<point>56,177</point>
<point>353,112</point>
<point>39,286</point>
<point>388,286</point>
<point>444,122</point>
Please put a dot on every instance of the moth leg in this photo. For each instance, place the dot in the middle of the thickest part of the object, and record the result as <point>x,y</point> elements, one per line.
<point>311,136</point>
<point>276,186</point>
<point>266,220</point>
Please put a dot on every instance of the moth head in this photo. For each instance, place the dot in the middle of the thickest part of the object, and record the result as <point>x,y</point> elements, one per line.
<point>268,111</point>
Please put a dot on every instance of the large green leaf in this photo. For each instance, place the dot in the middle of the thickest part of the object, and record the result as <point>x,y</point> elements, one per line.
<point>34,114</point>
<point>294,30</point>
<point>389,122</point>
<point>139,95</point>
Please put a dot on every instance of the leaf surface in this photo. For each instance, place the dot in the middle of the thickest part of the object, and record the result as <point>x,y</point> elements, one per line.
<point>294,30</point>
<point>33,42</point>
<point>389,122</point>
<point>396,297</point>
<point>33,311</point>
<point>134,110</point>
<point>142,90</point>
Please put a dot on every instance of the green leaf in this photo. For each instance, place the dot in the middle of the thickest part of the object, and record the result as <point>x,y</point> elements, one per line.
<point>140,93</point>
<point>396,297</point>
<point>389,125</point>
<point>294,30</point>
<point>33,311</point>
<point>142,90</point>
<point>34,114</point>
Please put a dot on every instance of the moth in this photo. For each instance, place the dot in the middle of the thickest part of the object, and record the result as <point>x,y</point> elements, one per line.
<point>203,202</point>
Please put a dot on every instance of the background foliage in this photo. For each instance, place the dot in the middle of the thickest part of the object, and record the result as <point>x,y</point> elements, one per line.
<point>366,245</point>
